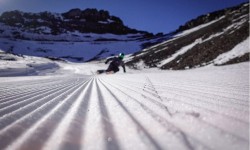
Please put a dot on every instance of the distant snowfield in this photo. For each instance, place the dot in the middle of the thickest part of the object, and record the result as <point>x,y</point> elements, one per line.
<point>73,108</point>
<point>70,50</point>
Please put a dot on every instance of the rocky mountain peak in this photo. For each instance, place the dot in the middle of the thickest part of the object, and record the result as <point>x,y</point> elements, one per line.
<point>92,15</point>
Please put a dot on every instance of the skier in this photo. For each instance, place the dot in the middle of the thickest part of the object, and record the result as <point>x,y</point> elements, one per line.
<point>114,65</point>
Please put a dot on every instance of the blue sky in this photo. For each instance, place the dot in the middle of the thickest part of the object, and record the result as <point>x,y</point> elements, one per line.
<point>148,15</point>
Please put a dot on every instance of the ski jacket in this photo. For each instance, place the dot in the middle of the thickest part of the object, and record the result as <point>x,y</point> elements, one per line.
<point>116,62</point>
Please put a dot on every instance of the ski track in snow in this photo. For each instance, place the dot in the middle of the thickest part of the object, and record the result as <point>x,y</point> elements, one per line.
<point>174,110</point>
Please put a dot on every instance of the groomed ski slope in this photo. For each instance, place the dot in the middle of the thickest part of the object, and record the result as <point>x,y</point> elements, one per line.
<point>205,109</point>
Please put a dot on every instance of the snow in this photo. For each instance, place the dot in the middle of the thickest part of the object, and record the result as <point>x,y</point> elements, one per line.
<point>70,107</point>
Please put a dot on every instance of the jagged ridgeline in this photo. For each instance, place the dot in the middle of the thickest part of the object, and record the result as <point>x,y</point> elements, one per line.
<point>84,21</point>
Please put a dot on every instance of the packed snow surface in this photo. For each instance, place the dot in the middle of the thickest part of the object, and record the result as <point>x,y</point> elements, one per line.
<point>73,108</point>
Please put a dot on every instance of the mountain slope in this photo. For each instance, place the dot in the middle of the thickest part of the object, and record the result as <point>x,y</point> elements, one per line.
<point>200,41</point>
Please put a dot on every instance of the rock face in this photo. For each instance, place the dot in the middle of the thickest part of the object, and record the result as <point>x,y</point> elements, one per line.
<point>204,39</point>
<point>84,21</point>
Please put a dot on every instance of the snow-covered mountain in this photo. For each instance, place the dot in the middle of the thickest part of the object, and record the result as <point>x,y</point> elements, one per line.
<point>77,35</point>
<point>85,35</point>
<point>202,41</point>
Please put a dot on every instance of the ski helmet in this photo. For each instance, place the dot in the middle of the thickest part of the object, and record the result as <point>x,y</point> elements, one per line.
<point>121,55</point>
